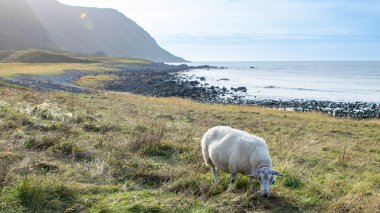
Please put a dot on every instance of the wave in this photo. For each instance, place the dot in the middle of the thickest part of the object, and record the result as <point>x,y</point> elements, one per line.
<point>312,90</point>
<point>318,90</point>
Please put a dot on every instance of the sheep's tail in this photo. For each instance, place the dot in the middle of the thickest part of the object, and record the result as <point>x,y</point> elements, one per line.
<point>205,152</point>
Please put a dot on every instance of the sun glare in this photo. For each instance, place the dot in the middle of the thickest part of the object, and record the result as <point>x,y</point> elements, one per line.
<point>83,15</point>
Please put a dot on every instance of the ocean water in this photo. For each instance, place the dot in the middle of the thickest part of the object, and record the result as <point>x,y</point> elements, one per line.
<point>348,81</point>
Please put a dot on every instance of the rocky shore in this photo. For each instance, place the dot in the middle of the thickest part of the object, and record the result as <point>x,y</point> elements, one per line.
<point>162,80</point>
<point>169,82</point>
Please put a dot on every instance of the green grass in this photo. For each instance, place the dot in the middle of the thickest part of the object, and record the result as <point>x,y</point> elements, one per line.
<point>107,152</point>
<point>41,195</point>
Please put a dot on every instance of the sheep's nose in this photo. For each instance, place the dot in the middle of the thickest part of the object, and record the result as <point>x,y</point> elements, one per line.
<point>266,195</point>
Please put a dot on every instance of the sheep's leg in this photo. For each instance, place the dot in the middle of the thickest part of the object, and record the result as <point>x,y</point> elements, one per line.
<point>214,172</point>
<point>232,181</point>
<point>251,184</point>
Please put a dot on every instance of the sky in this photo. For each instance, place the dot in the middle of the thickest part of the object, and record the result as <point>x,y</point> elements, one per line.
<point>257,30</point>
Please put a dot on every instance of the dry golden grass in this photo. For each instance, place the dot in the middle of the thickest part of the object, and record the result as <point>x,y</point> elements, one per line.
<point>130,153</point>
<point>95,80</point>
<point>12,69</point>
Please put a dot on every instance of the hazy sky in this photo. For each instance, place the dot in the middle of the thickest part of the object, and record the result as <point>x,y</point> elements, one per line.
<point>257,29</point>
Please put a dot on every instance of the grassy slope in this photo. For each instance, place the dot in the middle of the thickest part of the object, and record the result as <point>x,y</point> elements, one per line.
<point>42,56</point>
<point>116,152</point>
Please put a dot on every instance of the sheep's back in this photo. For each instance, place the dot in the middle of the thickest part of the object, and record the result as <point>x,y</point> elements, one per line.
<point>231,149</point>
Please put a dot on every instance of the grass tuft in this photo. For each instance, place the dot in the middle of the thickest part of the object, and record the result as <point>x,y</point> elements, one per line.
<point>42,142</point>
<point>36,195</point>
<point>291,181</point>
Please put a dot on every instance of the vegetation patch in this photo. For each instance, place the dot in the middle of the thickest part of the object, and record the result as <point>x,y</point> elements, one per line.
<point>36,195</point>
<point>42,142</point>
<point>95,80</point>
<point>149,140</point>
<point>41,56</point>
<point>292,181</point>
<point>12,69</point>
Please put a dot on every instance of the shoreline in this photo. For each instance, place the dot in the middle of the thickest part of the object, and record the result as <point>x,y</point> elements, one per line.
<point>163,80</point>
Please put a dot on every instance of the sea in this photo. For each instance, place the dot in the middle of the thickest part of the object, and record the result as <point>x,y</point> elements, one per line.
<point>338,81</point>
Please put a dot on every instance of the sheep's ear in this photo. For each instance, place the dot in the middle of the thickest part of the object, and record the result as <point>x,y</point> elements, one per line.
<point>254,174</point>
<point>277,173</point>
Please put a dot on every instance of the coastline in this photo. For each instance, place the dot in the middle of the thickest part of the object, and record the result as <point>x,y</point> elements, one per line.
<point>164,80</point>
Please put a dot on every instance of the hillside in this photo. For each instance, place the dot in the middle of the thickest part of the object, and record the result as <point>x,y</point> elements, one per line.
<point>48,24</point>
<point>64,152</point>
<point>20,27</point>
<point>40,56</point>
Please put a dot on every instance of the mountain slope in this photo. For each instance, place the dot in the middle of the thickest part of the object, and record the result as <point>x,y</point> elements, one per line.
<point>20,27</point>
<point>48,24</point>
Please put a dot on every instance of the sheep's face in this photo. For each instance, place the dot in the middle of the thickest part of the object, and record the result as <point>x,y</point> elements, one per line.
<point>266,178</point>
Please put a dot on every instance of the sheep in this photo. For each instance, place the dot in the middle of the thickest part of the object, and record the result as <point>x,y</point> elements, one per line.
<point>236,151</point>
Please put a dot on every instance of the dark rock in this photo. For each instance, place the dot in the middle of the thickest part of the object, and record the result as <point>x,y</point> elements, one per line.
<point>270,87</point>
<point>194,83</point>
<point>239,89</point>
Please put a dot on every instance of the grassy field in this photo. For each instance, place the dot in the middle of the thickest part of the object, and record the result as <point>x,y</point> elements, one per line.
<point>107,152</point>
<point>12,69</point>
<point>95,80</point>
<point>10,66</point>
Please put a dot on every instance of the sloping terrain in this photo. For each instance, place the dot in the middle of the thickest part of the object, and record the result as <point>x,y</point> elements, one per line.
<point>21,28</point>
<point>40,56</point>
<point>50,25</point>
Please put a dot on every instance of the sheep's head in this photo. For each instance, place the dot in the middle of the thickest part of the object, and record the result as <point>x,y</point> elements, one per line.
<point>266,178</point>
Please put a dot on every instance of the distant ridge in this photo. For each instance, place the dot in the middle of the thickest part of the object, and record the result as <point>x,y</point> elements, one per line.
<point>50,25</point>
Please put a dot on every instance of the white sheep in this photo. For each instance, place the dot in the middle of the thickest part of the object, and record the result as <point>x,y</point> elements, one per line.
<point>235,151</point>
